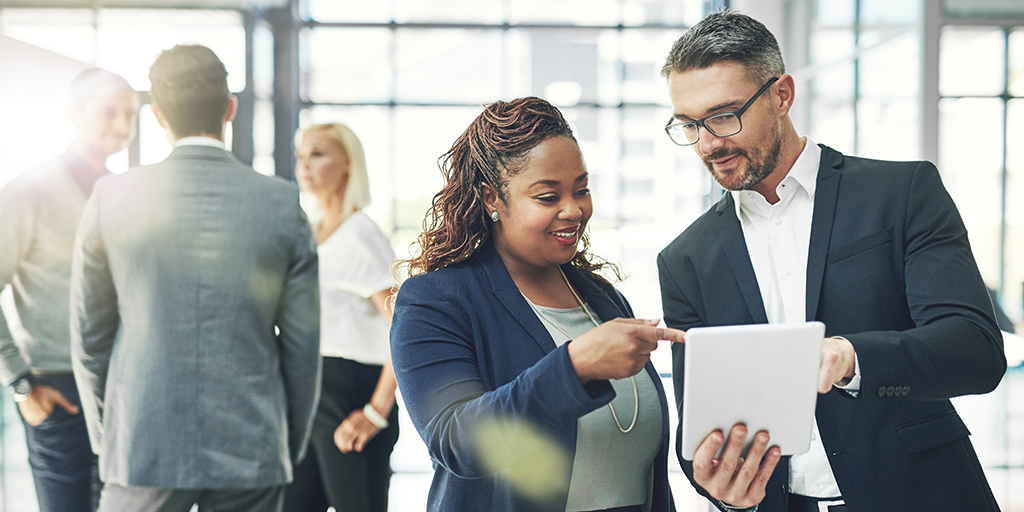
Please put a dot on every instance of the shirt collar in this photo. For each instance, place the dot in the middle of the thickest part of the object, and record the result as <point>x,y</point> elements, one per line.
<point>84,175</point>
<point>200,141</point>
<point>804,173</point>
<point>805,169</point>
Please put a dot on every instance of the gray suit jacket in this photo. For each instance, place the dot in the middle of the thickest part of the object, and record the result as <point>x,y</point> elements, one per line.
<point>195,324</point>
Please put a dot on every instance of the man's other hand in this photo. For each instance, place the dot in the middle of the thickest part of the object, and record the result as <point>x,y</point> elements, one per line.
<point>838,361</point>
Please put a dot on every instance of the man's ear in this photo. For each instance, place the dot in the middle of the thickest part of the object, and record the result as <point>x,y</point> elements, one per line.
<point>229,114</point>
<point>160,119</point>
<point>786,93</point>
<point>159,116</point>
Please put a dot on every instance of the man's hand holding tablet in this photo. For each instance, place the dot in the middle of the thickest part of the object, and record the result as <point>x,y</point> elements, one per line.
<point>735,481</point>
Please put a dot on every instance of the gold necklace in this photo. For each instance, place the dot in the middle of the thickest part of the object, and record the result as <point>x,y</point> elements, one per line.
<point>636,396</point>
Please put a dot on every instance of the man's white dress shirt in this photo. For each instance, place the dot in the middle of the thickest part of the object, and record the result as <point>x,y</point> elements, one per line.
<point>199,140</point>
<point>777,237</point>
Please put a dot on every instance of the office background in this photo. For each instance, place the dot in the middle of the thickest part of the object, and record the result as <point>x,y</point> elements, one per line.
<point>892,79</point>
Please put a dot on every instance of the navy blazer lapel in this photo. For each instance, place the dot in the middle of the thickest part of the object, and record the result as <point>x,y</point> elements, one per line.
<point>595,296</point>
<point>508,294</point>
<point>825,193</point>
<point>734,245</point>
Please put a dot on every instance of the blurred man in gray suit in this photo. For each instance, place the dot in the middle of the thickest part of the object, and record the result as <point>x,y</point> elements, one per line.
<point>195,315</point>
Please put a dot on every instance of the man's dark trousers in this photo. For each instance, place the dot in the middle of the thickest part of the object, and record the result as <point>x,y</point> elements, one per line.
<point>64,467</point>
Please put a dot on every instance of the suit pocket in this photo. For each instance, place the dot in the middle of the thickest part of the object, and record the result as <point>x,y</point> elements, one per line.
<point>937,431</point>
<point>860,245</point>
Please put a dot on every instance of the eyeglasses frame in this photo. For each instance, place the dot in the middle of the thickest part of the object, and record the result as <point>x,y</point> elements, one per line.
<point>738,113</point>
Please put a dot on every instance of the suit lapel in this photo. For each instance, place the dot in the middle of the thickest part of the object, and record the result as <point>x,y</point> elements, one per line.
<point>505,290</point>
<point>825,193</point>
<point>730,236</point>
<point>595,296</point>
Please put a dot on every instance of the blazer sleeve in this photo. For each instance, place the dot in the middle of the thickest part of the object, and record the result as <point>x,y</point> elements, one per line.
<point>680,313</point>
<point>94,317</point>
<point>956,347</point>
<point>298,323</point>
<point>470,430</point>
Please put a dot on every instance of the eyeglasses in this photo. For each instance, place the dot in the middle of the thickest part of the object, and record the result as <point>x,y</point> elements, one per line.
<point>726,124</point>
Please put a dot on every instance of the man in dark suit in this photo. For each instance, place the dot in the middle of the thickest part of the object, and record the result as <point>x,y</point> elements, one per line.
<point>875,250</point>
<point>195,315</point>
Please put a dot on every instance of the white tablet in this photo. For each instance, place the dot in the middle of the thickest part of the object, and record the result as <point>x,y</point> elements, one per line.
<point>762,375</point>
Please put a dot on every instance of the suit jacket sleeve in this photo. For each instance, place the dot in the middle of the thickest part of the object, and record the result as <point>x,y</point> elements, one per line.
<point>94,317</point>
<point>468,429</point>
<point>956,347</point>
<point>680,313</point>
<point>298,321</point>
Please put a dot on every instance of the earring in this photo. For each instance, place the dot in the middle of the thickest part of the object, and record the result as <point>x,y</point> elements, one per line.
<point>494,216</point>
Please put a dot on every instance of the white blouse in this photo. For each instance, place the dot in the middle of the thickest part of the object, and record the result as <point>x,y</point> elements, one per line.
<point>355,263</point>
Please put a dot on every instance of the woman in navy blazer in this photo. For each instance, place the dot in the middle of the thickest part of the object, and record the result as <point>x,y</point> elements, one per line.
<point>508,415</point>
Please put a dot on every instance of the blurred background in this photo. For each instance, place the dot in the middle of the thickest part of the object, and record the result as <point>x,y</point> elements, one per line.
<point>941,80</point>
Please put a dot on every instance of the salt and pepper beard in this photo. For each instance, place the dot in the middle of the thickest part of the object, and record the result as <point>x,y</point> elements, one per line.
<point>758,168</point>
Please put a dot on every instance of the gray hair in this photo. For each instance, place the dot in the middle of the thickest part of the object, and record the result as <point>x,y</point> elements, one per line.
<point>727,36</point>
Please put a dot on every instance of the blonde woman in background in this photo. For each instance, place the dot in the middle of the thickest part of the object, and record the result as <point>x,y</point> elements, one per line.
<point>356,425</point>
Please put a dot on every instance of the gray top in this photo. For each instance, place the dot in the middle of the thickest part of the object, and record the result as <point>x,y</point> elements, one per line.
<point>39,212</point>
<point>610,468</point>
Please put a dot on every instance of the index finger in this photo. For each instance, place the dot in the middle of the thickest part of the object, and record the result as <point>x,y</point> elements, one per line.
<point>664,333</point>
<point>704,456</point>
<point>65,403</point>
<point>637,321</point>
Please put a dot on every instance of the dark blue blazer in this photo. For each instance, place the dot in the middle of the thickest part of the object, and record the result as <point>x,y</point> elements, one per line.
<point>890,268</point>
<point>493,398</point>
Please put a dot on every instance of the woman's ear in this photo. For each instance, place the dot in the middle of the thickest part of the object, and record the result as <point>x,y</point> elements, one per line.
<point>490,198</point>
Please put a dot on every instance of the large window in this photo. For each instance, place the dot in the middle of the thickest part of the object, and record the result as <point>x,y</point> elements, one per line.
<point>62,42</point>
<point>863,69</point>
<point>981,121</point>
<point>408,77</point>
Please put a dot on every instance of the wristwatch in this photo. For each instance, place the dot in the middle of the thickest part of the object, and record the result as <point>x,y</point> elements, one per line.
<point>21,388</point>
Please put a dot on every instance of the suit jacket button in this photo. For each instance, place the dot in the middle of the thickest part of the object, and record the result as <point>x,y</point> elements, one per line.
<point>889,391</point>
<point>898,391</point>
<point>881,392</point>
<point>906,390</point>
